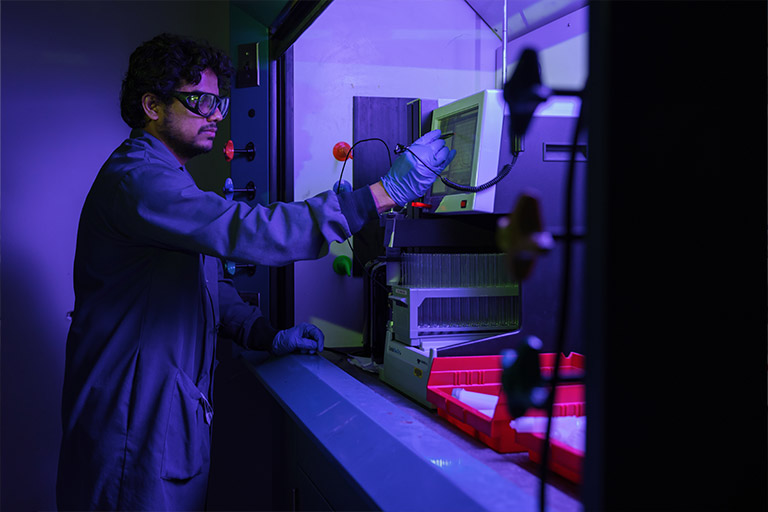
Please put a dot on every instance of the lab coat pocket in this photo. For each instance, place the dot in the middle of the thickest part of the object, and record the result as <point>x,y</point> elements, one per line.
<point>187,440</point>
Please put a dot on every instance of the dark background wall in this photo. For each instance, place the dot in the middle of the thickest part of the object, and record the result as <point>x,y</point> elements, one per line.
<point>62,66</point>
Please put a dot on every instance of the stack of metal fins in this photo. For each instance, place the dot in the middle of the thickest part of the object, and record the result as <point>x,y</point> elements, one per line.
<point>482,295</point>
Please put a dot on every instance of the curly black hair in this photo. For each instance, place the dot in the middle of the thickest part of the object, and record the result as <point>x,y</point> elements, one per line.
<point>163,64</point>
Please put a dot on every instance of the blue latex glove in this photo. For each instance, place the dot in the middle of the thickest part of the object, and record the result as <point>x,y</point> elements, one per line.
<point>409,178</point>
<point>305,338</point>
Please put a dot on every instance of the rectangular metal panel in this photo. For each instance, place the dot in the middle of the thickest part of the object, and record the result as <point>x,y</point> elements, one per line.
<point>373,118</point>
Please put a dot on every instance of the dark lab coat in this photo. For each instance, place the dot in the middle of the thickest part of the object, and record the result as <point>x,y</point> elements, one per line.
<point>150,298</point>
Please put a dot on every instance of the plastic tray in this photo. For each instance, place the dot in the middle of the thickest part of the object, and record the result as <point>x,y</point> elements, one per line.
<point>483,374</point>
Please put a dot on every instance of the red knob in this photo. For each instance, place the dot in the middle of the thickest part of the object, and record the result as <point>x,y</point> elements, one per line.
<point>341,150</point>
<point>229,151</point>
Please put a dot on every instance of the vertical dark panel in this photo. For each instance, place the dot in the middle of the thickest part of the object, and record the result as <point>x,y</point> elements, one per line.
<point>249,123</point>
<point>281,177</point>
<point>241,473</point>
<point>375,118</point>
<point>676,272</point>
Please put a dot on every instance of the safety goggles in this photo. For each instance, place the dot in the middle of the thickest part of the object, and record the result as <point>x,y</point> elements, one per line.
<point>203,103</point>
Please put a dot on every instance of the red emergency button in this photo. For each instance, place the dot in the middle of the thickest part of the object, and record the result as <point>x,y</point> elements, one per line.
<point>463,203</point>
<point>341,151</point>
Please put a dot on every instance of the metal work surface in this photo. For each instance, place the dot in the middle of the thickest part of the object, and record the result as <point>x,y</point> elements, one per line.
<point>401,455</point>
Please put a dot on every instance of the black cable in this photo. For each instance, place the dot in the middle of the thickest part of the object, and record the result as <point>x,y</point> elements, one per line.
<point>354,255</point>
<point>479,188</point>
<point>564,293</point>
<point>338,189</point>
<point>457,186</point>
<point>338,186</point>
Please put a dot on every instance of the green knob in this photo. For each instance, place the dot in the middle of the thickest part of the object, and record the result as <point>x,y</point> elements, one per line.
<point>342,265</point>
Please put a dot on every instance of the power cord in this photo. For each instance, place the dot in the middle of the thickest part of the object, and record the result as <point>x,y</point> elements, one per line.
<point>564,294</point>
<point>338,189</point>
<point>399,148</point>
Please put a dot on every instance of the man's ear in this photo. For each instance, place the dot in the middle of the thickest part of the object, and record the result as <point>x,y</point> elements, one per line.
<point>151,105</point>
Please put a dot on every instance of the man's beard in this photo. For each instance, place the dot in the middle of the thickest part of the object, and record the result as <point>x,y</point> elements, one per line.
<point>181,148</point>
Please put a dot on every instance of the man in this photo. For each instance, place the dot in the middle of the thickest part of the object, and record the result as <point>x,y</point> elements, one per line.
<point>150,296</point>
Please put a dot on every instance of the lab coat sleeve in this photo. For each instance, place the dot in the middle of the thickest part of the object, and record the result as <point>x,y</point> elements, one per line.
<point>241,322</point>
<point>162,206</point>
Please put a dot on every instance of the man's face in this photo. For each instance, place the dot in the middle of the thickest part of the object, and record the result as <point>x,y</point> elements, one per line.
<point>185,133</point>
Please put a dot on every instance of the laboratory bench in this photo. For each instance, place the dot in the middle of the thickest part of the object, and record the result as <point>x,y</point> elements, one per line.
<point>351,442</point>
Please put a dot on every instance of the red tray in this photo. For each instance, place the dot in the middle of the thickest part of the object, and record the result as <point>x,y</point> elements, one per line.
<point>482,374</point>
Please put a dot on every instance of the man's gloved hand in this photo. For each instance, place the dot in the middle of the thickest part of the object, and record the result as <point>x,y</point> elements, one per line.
<point>409,178</point>
<point>305,338</point>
